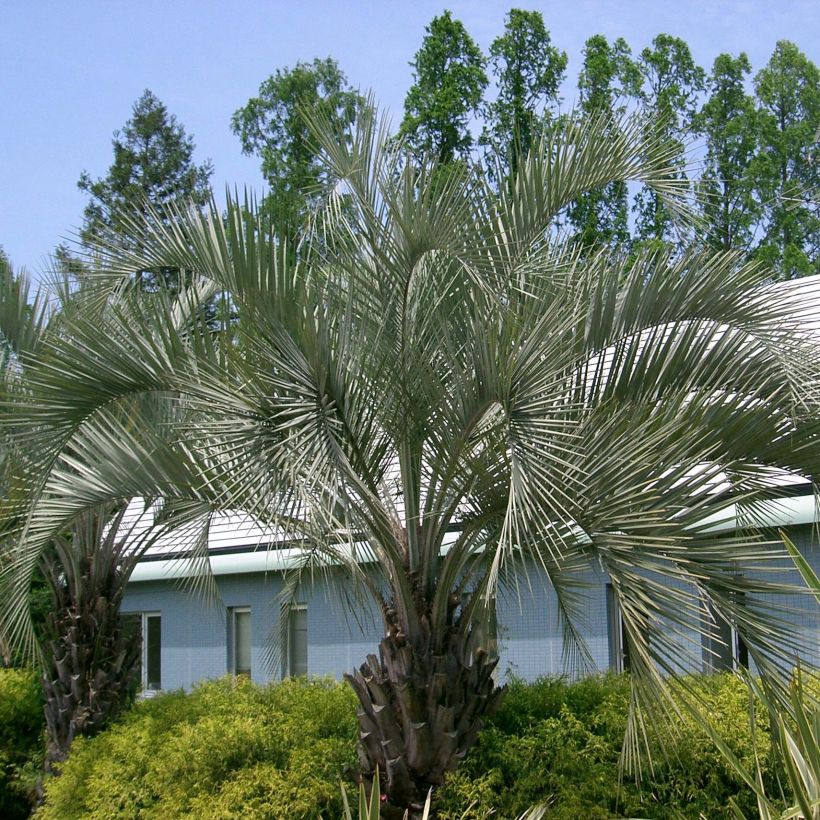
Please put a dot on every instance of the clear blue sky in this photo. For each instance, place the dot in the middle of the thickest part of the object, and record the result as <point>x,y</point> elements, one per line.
<point>70,72</point>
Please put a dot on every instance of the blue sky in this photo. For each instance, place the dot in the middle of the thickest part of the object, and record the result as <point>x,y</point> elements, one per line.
<point>70,72</point>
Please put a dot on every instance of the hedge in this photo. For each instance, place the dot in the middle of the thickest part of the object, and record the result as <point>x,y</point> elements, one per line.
<point>235,750</point>
<point>556,743</point>
<point>229,749</point>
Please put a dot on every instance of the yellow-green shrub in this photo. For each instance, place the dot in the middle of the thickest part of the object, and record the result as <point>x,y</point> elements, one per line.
<point>235,750</point>
<point>21,740</point>
<point>560,743</point>
<point>227,750</point>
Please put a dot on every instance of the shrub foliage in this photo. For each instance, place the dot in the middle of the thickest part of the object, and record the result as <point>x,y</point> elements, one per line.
<point>227,750</point>
<point>236,750</point>
<point>21,740</point>
<point>560,743</point>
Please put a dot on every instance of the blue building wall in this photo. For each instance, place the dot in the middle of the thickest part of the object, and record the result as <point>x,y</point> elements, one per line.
<point>802,611</point>
<point>195,631</point>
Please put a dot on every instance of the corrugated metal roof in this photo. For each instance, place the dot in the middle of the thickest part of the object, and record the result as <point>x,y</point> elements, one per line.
<point>237,543</point>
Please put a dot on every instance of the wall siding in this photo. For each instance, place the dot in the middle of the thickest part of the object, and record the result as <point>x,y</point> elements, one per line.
<point>195,633</point>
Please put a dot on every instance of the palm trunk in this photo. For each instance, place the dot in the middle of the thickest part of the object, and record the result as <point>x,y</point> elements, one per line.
<point>93,668</point>
<point>422,705</point>
<point>92,660</point>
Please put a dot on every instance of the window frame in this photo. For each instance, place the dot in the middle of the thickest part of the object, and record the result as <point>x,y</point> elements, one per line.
<point>288,670</point>
<point>722,646</point>
<point>232,642</point>
<point>140,618</point>
<point>617,638</point>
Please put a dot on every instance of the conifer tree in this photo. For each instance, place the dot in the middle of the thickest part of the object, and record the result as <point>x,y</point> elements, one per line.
<point>728,122</point>
<point>609,78</point>
<point>672,85</point>
<point>787,169</point>
<point>529,71</point>
<point>153,165</point>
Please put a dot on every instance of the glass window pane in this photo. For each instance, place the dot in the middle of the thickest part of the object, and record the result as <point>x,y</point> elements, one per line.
<point>618,660</point>
<point>153,652</point>
<point>297,643</point>
<point>132,626</point>
<point>242,642</point>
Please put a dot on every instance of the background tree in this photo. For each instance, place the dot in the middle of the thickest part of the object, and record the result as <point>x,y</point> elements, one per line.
<point>448,82</point>
<point>273,127</point>
<point>153,163</point>
<point>672,83</point>
<point>787,169</point>
<point>729,123</point>
<point>528,70</point>
<point>608,80</point>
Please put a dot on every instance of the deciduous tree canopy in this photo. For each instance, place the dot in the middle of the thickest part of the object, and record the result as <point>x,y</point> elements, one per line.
<point>273,126</point>
<point>448,83</point>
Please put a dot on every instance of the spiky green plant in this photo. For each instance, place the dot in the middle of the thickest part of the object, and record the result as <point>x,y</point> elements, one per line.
<point>370,809</point>
<point>434,397</point>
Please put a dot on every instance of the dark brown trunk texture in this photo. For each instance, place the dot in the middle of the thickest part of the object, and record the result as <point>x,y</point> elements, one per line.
<point>92,660</point>
<point>420,713</point>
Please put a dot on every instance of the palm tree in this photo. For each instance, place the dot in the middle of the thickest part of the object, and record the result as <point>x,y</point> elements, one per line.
<point>24,318</point>
<point>88,656</point>
<point>437,396</point>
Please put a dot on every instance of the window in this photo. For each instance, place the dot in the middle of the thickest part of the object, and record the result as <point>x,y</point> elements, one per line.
<point>239,640</point>
<point>148,626</point>
<point>724,649</point>
<point>618,643</point>
<point>297,650</point>
<point>152,651</point>
<point>484,633</point>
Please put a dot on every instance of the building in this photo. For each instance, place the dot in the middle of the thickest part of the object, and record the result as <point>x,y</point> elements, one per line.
<point>189,637</point>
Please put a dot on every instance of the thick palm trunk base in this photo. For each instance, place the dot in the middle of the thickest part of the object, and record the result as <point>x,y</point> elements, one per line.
<point>420,714</point>
<point>92,672</point>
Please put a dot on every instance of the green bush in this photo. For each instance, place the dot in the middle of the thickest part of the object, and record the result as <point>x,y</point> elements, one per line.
<point>560,743</point>
<point>21,740</point>
<point>235,750</point>
<point>227,750</point>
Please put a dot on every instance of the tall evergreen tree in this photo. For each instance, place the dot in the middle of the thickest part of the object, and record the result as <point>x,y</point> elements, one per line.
<point>729,124</point>
<point>608,79</point>
<point>672,84</point>
<point>154,165</point>
<point>273,126</point>
<point>787,170</point>
<point>448,83</point>
<point>529,71</point>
